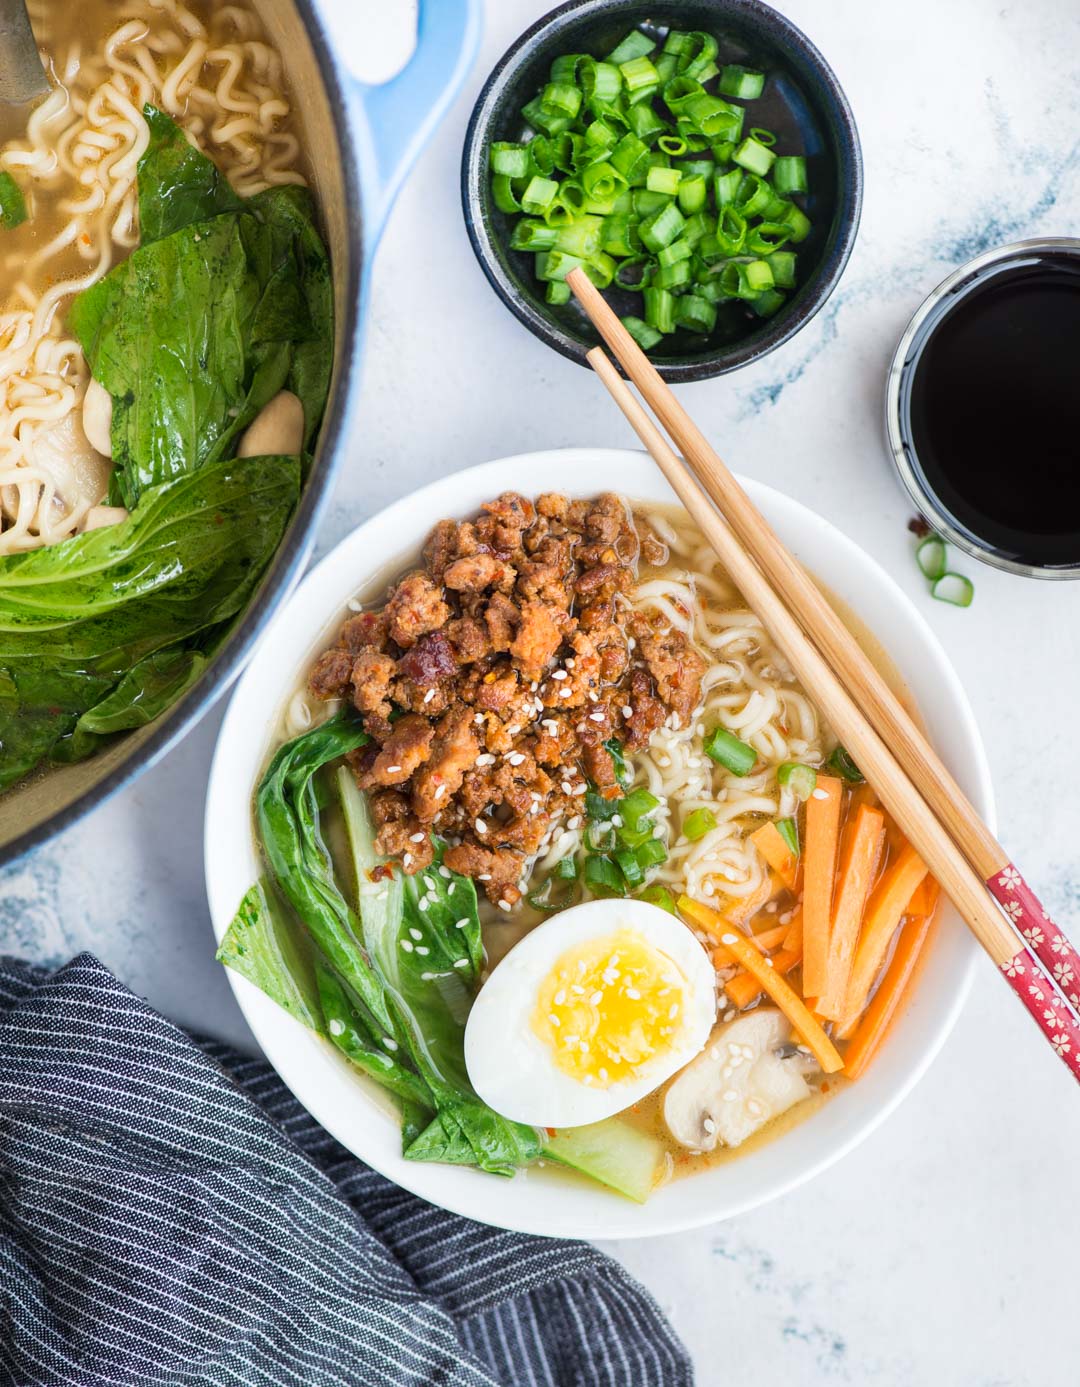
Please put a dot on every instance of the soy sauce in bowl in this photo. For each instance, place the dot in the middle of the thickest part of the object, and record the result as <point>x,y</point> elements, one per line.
<point>984,408</point>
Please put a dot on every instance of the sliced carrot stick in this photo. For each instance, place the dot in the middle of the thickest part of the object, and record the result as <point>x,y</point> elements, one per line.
<point>924,898</point>
<point>793,940</point>
<point>883,913</point>
<point>778,988</point>
<point>770,843</point>
<point>886,1000</point>
<point>744,988</point>
<point>859,857</point>
<point>769,939</point>
<point>819,870</point>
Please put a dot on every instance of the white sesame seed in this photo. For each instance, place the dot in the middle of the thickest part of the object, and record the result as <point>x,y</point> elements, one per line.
<point>571,662</point>
<point>407,859</point>
<point>633,994</point>
<point>480,826</point>
<point>820,794</point>
<point>709,1125</point>
<point>354,605</point>
<point>514,729</point>
<point>486,759</point>
<point>729,939</point>
<point>505,905</point>
<point>451,888</point>
<point>478,718</point>
<point>616,821</point>
<point>460,924</point>
<point>423,904</point>
<point>533,686</point>
<point>551,725</point>
<point>754,1107</point>
<point>392,770</point>
<point>575,822</point>
<point>596,999</point>
<point>594,697</point>
<point>423,949</point>
<point>440,790</point>
<point>554,1019</point>
<point>560,996</point>
<point>516,758</point>
<point>627,711</point>
<point>484,876</point>
<point>597,717</point>
<point>445,872</point>
<point>567,788</point>
<point>417,837</point>
<point>559,674</point>
<point>389,1042</point>
<point>462,963</point>
<point>566,693</point>
<point>416,934</point>
<point>406,944</point>
<point>427,977</point>
<point>429,695</point>
<point>337,1027</point>
<point>730,1095</point>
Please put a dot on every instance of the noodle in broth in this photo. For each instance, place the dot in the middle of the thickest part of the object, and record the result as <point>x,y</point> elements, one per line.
<point>214,72</point>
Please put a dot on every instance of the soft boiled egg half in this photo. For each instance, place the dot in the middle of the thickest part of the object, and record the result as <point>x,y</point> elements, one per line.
<point>590,1012</point>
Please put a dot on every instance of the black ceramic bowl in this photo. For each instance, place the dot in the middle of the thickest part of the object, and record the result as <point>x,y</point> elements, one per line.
<point>803,103</point>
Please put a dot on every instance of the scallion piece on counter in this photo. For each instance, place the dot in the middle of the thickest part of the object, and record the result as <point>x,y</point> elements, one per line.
<point>645,164</point>
<point>841,764</point>
<point>955,589</point>
<point>788,829</point>
<point>799,779</point>
<point>930,556</point>
<point>698,823</point>
<point>728,751</point>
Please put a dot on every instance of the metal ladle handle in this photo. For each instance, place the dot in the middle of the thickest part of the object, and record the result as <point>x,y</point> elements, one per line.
<point>22,77</point>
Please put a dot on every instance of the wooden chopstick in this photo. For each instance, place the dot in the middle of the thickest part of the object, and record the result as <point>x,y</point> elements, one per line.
<point>897,791</point>
<point>884,710</point>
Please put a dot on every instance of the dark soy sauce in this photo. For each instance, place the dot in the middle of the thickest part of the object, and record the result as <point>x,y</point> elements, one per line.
<point>994,410</point>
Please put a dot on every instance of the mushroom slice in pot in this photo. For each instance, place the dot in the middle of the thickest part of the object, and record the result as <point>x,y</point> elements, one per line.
<point>737,1084</point>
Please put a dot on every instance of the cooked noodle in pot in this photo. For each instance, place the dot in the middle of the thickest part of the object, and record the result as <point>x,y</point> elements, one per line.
<point>215,73</point>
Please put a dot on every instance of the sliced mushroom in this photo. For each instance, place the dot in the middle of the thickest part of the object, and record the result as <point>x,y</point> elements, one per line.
<point>97,517</point>
<point>277,428</point>
<point>97,418</point>
<point>739,1082</point>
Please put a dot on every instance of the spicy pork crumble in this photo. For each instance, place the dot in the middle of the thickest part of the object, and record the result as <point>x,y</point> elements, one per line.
<point>494,674</point>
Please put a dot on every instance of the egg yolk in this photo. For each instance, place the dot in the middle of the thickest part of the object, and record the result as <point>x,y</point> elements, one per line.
<point>609,1006</point>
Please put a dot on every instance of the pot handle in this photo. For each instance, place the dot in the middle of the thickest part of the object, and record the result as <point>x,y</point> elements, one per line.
<point>401,114</point>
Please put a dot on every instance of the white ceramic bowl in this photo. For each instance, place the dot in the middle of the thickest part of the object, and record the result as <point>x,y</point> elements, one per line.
<point>345,1103</point>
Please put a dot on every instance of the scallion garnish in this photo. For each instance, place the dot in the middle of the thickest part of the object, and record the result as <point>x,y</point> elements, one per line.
<point>841,764</point>
<point>955,589</point>
<point>659,895</point>
<point>698,823</point>
<point>799,779</point>
<point>640,162</point>
<point>788,829</point>
<point>728,751</point>
<point>930,556</point>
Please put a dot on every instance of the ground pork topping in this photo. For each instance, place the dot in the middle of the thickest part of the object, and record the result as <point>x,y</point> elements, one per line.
<point>493,675</point>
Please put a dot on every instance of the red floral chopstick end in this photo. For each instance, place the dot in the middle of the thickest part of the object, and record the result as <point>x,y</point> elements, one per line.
<point>1048,1010</point>
<point>1049,943</point>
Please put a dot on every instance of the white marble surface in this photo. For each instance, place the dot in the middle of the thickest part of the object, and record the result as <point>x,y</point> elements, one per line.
<point>943,1251</point>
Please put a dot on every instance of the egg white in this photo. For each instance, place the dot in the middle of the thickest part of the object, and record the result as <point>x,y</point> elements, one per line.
<point>514,1071</point>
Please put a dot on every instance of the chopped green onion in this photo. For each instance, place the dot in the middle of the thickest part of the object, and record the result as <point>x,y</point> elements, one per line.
<point>789,174</point>
<point>539,195</point>
<point>554,893</point>
<point>509,159</point>
<point>661,180</point>
<point>650,853</point>
<point>841,764</point>
<point>659,309</point>
<point>645,336</point>
<point>697,824</point>
<point>635,806</point>
<point>630,867</point>
<point>753,156</point>
<point>741,82</point>
<point>600,835</point>
<point>638,73</point>
<point>614,749</point>
<point>660,896</point>
<point>799,779</point>
<point>603,877</point>
<point>634,45</point>
<point>662,227</point>
<point>565,869</point>
<point>955,589</point>
<point>695,313</point>
<point>682,199</point>
<point>788,829</point>
<point>931,557</point>
<point>728,751</point>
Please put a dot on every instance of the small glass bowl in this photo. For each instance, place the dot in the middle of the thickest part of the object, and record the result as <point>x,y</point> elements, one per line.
<point>927,318</point>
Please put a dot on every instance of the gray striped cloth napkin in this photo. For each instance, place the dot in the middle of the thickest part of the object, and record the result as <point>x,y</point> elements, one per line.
<point>171,1217</point>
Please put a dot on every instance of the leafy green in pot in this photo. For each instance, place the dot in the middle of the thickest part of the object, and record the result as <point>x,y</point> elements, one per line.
<point>77,617</point>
